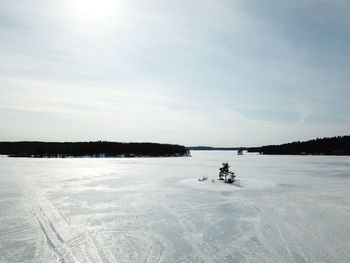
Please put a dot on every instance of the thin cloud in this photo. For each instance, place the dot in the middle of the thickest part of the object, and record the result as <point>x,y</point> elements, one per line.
<point>203,72</point>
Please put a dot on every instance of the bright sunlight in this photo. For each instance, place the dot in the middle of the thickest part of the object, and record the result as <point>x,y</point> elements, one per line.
<point>95,12</point>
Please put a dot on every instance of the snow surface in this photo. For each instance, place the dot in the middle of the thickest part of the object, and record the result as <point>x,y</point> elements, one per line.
<point>286,209</point>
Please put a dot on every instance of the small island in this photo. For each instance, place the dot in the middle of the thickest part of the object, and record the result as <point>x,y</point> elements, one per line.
<point>339,145</point>
<point>96,149</point>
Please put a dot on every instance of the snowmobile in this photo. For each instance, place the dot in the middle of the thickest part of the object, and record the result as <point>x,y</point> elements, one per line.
<point>203,179</point>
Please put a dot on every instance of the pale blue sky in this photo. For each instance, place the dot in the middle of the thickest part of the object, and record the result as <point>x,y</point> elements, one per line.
<point>209,72</point>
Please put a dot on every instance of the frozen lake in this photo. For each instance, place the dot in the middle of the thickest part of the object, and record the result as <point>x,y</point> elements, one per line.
<point>287,209</point>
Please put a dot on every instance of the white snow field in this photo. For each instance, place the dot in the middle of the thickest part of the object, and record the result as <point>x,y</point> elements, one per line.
<point>286,209</point>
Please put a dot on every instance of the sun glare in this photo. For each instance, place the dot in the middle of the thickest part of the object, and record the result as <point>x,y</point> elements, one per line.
<point>91,11</point>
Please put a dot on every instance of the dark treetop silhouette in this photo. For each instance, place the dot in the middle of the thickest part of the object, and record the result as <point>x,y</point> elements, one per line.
<point>91,149</point>
<point>339,145</point>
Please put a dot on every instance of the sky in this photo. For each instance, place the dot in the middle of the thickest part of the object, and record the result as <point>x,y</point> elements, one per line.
<point>208,72</point>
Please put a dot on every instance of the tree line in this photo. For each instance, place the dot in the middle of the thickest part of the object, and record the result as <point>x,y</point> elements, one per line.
<point>90,149</point>
<point>339,145</point>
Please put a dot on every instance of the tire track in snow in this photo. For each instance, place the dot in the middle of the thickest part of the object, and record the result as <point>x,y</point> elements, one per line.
<point>50,242</point>
<point>280,234</point>
<point>74,249</point>
<point>188,231</point>
<point>49,232</point>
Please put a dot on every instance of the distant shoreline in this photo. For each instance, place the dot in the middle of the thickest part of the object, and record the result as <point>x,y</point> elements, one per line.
<point>333,146</point>
<point>210,148</point>
<point>97,149</point>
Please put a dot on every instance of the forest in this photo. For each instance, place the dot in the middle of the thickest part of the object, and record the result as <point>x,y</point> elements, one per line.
<point>90,149</point>
<point>339,145</point>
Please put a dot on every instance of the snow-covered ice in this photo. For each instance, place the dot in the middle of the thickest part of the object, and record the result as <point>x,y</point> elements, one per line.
<point>286,209</point>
